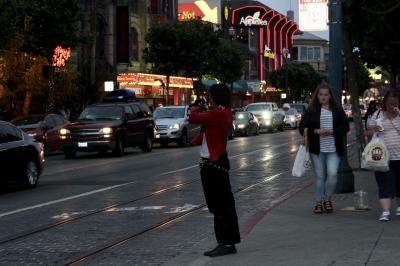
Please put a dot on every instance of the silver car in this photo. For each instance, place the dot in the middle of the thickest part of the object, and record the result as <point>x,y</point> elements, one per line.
<point>172,125</point>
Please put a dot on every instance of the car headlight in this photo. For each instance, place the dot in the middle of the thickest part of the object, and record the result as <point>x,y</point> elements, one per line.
<point>106,130</point>
<point>241,126</point>
<point>32,134</point>
<point>174,126</point>
<point>64,131</point>
<point>266,115</point>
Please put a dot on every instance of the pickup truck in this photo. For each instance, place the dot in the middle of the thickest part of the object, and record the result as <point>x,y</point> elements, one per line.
<point>270,117</point>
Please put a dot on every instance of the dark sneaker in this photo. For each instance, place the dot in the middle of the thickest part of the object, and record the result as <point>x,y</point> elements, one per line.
<point>221,250</point>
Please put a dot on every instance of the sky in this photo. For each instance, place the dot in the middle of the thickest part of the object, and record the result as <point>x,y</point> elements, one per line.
<point>284,5</point>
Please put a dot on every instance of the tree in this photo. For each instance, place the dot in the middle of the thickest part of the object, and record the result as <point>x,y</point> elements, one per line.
<point>373,34</point>
<point>191,49</point>
<point>302,79</point>
<point>37,28</point>
<point>226,63</point>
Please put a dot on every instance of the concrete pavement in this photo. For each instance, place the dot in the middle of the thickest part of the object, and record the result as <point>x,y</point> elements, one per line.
<point>290,234</point>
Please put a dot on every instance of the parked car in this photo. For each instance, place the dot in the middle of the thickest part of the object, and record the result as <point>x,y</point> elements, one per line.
<point>268,115</point>
<point>110,126</point>
<point>349,112</point>
<point>301,108</point>
<point>172,125</point>
<point>21,156</point>
<point>246,124</point>
<point>44,128</point>
<point>292,118</point>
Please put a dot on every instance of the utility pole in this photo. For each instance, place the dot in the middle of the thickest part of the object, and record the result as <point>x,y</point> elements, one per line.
<point>345,182</point>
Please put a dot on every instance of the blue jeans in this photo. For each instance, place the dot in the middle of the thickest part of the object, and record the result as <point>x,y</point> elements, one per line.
<point>326,166</point>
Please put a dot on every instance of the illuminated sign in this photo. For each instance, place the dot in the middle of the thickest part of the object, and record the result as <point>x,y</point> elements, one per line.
<point>253,20</point>
<point>199,9</point>
<point>268,53</point>
<point>150,80</point>
<point>313,15</point>
<point>249,16</point>
<point>60,56</point>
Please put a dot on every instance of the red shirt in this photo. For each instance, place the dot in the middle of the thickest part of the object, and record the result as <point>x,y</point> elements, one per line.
<point>216,124</point>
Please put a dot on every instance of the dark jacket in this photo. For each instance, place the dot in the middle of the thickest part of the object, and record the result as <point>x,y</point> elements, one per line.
<point>311,120</point>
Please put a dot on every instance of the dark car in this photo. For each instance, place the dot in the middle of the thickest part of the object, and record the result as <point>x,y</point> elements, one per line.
<point>246,124</point>
<point>109,126</point>
<point>44,128</point>
<point>21,156</point>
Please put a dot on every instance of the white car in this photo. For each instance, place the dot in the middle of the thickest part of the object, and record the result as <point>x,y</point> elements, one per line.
<point>292,118</point>
<point>172,125</point>
<point>268,114</point>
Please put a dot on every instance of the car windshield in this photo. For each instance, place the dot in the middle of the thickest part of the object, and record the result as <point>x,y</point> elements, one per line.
<point>166,112</point>
<point>257,107</point>
<point>300,108</point>
<point>347,106</point>
<point>291,111</point>
<point>27,120</point>
<point>98,113</point>
<point>241,116</point>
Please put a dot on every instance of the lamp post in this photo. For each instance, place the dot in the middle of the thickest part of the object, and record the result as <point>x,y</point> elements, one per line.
<point>345,182</point>
<point>286,56</point>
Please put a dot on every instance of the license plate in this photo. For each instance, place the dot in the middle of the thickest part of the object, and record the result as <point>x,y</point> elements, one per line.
<point>82,144</point>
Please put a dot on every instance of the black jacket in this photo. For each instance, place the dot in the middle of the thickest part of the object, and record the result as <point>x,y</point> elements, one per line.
<point>311,120</point>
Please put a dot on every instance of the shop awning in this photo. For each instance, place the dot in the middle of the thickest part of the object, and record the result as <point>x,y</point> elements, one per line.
<point>238,86</point>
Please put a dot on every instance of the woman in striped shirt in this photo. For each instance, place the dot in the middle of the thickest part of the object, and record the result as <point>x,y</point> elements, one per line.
<point>387,123</point>
<point>327,125</point>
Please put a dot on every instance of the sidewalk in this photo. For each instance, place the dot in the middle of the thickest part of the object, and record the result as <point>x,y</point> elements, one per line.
<point>290,234</point>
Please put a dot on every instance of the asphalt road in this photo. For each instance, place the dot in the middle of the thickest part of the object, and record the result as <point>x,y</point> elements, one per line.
<point>139,209</point>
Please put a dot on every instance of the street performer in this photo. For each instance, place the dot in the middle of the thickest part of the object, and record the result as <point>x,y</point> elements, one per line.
<point>214,167</point>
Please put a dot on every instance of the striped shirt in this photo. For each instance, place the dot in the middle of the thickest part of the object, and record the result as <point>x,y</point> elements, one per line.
<point>326,143</point>
<point>390,133</point>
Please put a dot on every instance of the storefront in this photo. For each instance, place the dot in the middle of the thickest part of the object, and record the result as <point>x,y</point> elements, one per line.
<point>152,89</point>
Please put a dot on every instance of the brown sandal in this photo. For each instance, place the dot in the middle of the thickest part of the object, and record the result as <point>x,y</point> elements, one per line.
<point>328,206</point>
<point>318,208</point>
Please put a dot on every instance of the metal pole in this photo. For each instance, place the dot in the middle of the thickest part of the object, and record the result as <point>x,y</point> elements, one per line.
<point>345,182</point>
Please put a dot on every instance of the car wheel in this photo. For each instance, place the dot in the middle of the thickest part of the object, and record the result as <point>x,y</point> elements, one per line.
<point>69,154</point>
<point>30,176</point>
<point>147,145</point>
<point>183,140</point>
<point>119,146</point>
<point>257,130</point>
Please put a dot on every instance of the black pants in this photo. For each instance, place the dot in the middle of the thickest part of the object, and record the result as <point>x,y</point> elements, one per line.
<point>389,182</point>
<point>220,202</point>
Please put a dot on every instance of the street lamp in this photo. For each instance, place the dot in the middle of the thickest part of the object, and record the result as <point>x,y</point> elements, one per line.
<point>286,56</point>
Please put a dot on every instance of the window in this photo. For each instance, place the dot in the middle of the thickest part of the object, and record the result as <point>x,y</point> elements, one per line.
<point>295,53</point>
<point>129,114</point>
<point>134,45</point>
<point>145,109</point>
<point>303,53</point>
<point>317,53</point>
<point>136,110</point>
<point>50,121</point>
<point>59,120</point>
<point>310,53</point>
<point>9,133</point>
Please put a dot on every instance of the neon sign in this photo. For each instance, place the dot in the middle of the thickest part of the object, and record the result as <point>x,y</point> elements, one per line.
<point>60,56</point>
<point>253,20</point>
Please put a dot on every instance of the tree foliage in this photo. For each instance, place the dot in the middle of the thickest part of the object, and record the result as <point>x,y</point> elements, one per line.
<point>302,79</point>
<point>191,49</point>
<point>374,31</point>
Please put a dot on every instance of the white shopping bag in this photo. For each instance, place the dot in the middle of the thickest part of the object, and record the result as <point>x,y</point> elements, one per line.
<point>302,163</point>
<point>375,156</point>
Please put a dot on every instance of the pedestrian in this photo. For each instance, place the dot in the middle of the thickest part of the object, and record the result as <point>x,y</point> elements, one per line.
<point>327,126</point>
<point>372,107</point>
<point>387,122</point>
<point>214,167</point>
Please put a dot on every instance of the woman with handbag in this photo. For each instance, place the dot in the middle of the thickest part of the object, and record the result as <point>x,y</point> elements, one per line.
<point>214,167</point>
<point>327,125</point>
<point>387,123</point>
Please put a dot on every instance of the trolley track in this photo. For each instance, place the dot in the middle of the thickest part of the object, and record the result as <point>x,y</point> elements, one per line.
<point>70,220</point>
